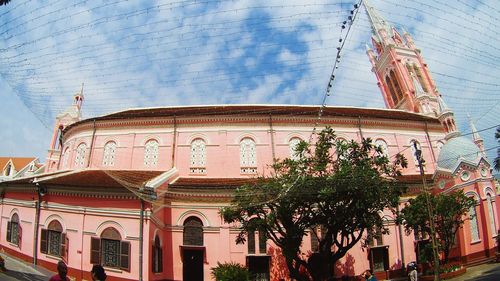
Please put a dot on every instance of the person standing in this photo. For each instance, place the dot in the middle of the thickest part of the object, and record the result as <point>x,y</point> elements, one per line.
<point>98,273</point>
<point>62,271</point>
<point>412,271</point>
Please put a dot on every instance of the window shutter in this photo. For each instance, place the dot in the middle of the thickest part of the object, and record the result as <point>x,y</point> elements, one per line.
<point>19,234</point>
<point>43,241</point>
<point>63,252</point>
<point>95,250</point>
<point>9,226</point>
<point>160,260</point>
<point>125,255</point>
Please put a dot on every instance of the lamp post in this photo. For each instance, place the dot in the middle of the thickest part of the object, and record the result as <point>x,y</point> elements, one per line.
<point>430,212</point>
<point>41,191</point>
<point>150,194</point>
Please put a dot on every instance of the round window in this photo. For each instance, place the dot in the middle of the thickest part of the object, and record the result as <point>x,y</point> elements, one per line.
<point>484,172</point>
<point>441,184</point>
<point>465,176</point>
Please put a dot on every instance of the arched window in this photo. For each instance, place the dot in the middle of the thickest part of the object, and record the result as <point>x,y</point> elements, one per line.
<point>397,88</point>
<point>81,151</point>
<point>193,232</point>
<point>262,238</point>
<point>109,250</point>
<point>151,153</point>
<point>157,256</point>
<point>248,156</point>
<point>491,213</point>
<point>378,255</point>
<point>108,158</point>
<point>474,228</point>
<point>292,147</point>
<point>383,146</point>
<point>414,151</point>
<point>53,241</point>
<point>65,158</point>
<point>198,157</point>
<point>14,230</point>
<point>392,91</point>
<point>420,77</point>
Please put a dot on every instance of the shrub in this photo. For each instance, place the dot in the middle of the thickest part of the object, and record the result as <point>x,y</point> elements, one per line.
<point>230,272</point>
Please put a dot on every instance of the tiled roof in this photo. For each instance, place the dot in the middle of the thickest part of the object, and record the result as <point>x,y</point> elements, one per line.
<point>101,178</point>
<point>19,162</point>
<point>414,178</point>
<point>261,110</point>
<point>210,183</point>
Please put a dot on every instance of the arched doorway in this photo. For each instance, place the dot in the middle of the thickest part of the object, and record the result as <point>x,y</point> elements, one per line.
<point>193,250</point>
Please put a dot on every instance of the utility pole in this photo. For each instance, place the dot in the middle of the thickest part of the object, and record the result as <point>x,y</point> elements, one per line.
<point>430,212</point>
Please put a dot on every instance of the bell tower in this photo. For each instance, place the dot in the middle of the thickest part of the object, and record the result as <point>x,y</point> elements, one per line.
<point>402,75</point>
<point>71,115</point>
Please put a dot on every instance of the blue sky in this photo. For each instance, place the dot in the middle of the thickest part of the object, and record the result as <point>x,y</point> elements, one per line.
<point>160,53</point>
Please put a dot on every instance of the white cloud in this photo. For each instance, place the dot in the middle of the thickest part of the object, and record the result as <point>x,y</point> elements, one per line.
<point>133,53</point>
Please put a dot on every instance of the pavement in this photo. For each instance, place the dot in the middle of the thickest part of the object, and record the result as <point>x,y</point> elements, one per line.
<point>20,270</point>
<point>483,272</point>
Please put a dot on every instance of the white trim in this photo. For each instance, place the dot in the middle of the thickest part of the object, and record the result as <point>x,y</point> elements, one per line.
<point>57,218</point>
<point>109,139</point>
<point>12,212</point>
<point>189,213</point>
<point>105,224</point>
<point>245,135</point>
<point>151,137</point>
<point>292,135</point>
<point>487,190</point>
<point>195,136</point>
<point>162,178</point>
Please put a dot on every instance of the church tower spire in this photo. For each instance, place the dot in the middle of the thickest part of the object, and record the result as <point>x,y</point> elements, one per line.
<point>71,115</point>
<point>475,135</point>
<point>402,75</point>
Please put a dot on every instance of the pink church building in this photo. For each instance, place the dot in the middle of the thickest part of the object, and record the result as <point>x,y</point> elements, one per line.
<point>139,191</point>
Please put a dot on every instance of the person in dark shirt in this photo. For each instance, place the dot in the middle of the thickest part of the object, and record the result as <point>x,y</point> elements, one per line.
<point>62,271</point>
<point>98,273</point>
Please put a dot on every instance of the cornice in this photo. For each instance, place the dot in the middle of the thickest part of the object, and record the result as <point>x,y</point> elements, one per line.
<point>203,121</point>
<point>75,191</point>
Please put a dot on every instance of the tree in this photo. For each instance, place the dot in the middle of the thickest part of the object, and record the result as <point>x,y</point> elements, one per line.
<point>497,159</point>
<point>333,189</point>
<point>4,2</point>
<point>449,215</point>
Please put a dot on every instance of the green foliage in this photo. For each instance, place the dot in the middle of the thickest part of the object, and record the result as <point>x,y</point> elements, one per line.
<point>230,272</point>
<point>449,215</point>
<point>336,186</point>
